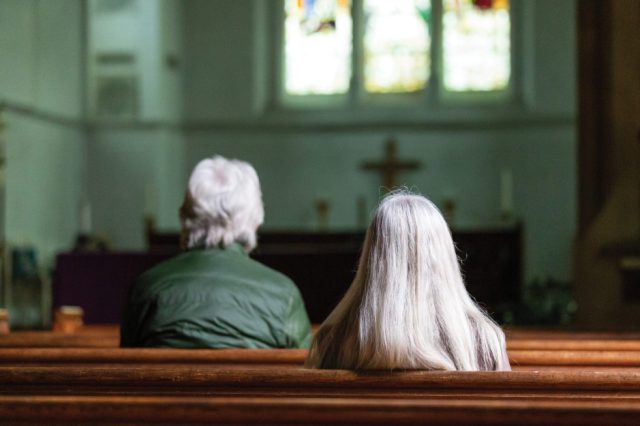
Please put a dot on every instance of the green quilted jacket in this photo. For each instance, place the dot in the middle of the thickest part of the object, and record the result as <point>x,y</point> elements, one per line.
<point>214,298</point>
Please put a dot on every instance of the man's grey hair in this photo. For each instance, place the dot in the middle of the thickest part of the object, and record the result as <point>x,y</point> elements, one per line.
<point>222,205</point>
<point>408,307</point>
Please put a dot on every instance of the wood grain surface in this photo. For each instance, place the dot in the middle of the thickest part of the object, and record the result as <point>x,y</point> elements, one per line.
<point>346,411</point>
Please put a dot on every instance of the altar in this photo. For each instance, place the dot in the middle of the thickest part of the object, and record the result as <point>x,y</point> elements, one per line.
<point>322,264</point>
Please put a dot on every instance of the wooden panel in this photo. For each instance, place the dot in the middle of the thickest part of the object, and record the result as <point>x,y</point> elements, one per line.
<point>99,282</point>
<point>514,333</point>
<point>265,410</point>
<point>573,345</point>
<point>279,357</point>
<point>200,379</point>
<point>268,357</point>
<point>108,336</point>
<point>594,103</point>
<point>88,336</point>
<point>321,264</point>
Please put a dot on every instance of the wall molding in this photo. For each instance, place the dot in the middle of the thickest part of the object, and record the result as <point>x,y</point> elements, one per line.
<point>289,123</point>
<point>40,114</point>
<point>314,122</point>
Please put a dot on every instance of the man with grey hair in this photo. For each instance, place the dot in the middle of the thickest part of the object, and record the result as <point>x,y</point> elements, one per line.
<point>214,295</point>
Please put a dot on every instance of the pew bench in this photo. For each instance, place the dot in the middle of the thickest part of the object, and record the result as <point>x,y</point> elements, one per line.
<point>573,344</point>
<point>320,411</point>
<point>564,340</point>
<point>137,379</point>
<point>270,357</point>
<point>92,336</point>
<point>108,336</point>
<point>261,386</point>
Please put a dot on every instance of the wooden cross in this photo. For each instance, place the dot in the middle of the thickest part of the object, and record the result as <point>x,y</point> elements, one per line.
<point>390,166</point>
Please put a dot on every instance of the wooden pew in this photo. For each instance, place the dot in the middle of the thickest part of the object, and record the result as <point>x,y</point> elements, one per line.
<point>319,411</point>
<point>570,381</point>
<point>564,340</point>
<point>267,357</point>
<point>108,336</point>
<point>113,356</point>
<point>89,336</point>
<point>162,395</point>
<point>296,381</point>
<point>581,358</point>
<point>573,344</point>
<point>559,334</point>
<point>252,386</point>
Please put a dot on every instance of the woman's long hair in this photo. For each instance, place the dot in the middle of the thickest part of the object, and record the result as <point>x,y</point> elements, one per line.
<point>408,307</point>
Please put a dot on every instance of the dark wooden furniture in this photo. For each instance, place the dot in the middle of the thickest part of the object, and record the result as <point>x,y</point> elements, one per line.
<point>281,357</point>
<point>108,336</point>
<point>98,282</point>
<point>321,264</point>
<point>296,381</point>
<point>169,410</point>
<point>607,245</point>
<point>174,386</point>
<point>93,336</point>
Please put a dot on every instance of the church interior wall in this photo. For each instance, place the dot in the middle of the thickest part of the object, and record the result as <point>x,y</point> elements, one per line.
<point>216,98</point>
<point>136,162</point>
<point>221,59</point>
<point>462,157</point>
<point>134,173</point>
<point>40,85</point>
<point>41,59</point>
<point>44,184</point>
<point>464,166</point>
<point>549,43</point>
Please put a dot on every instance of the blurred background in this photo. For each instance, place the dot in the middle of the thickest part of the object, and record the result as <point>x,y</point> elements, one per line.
<point>482,105</point>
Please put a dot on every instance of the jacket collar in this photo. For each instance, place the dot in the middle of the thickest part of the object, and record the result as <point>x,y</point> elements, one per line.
<point>234,247</point>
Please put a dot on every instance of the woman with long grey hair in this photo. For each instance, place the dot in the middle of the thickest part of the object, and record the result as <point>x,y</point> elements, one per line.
<point>408,307</point>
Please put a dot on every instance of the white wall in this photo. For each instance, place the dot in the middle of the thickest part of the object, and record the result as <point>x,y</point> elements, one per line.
<point>304,156</point>
<point>45,163</point>
<point>219,52</point>
<point>41,84</point>
<point>222,85</point>
<point>40,64</point>
<point>149,32</point>
<point>465,165</point>
<point>138,168</point>
<point>135,172</point>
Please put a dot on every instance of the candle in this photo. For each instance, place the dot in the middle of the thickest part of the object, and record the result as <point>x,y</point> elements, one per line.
<point>506,194</point>
<point>85,218</point>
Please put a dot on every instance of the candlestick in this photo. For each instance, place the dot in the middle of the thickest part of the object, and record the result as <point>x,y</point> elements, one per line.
<point>506,194</point>
<point>322,212</point>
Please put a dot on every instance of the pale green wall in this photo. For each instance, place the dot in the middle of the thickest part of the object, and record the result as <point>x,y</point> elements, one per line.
<point>40,46</point>
<point>149,31</point>
<point>222,88</point>
<point>133,171</point>
<point>40,81</point>
<point>44,184</point>
<point>220,59</point>
<point>303,156</point>
<point>137,167</point>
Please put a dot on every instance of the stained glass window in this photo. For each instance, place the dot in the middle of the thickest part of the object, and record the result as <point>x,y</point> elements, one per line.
<point>317,48</point>
<point>396,45</point>
<point>476,45</point>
